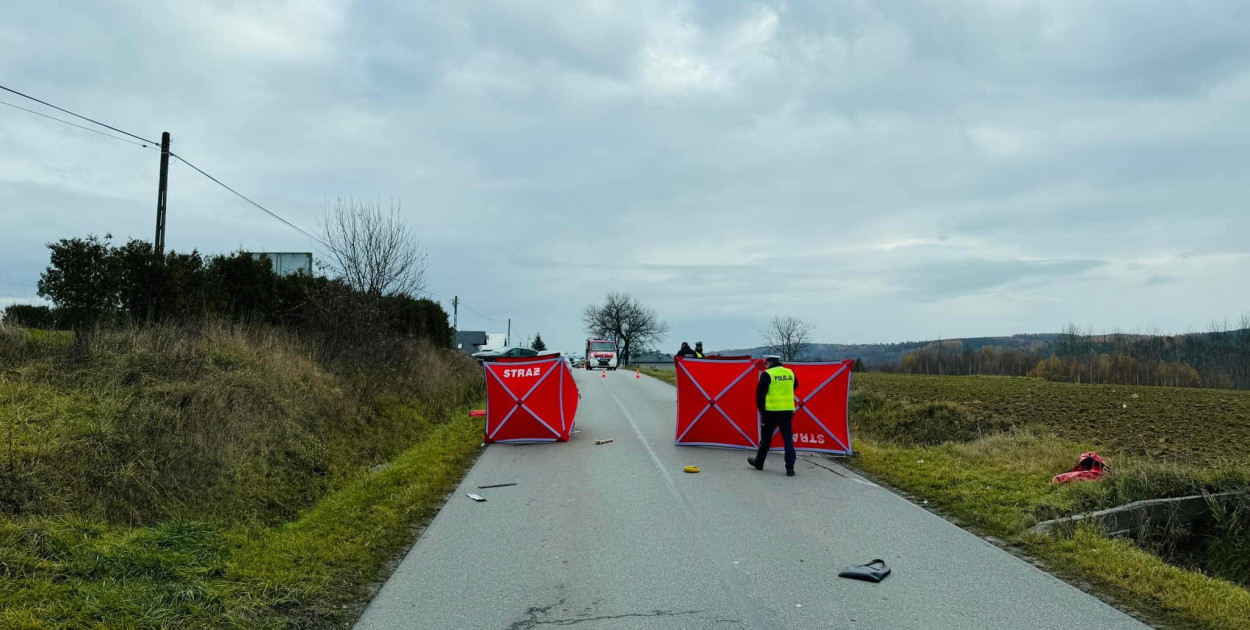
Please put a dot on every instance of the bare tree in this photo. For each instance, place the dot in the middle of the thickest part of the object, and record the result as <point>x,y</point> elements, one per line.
<point>372,249</point>
<point>787,336</point>
<point>624,319</point>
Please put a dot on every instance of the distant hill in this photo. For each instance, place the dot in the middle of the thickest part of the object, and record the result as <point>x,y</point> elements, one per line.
<point>877,354</point>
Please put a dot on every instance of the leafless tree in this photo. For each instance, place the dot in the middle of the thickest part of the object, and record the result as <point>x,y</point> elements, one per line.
<point>787,336</point>
<point>624,319</point>
<point>372,249</point>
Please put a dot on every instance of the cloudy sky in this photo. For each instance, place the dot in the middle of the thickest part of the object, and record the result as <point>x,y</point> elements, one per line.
<point>887,170</point>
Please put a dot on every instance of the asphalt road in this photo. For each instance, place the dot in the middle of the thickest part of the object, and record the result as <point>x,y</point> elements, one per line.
<point>617,536</point>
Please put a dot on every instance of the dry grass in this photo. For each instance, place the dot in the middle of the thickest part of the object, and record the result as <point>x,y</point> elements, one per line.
<point>668,376</point>
<point>1185,598</point>
<point>69,573</point>
<point>215,475</point>
<point>218,421</point>
<point>999,485</point>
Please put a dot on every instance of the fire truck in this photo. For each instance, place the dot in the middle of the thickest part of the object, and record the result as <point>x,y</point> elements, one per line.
<point>600,353</point>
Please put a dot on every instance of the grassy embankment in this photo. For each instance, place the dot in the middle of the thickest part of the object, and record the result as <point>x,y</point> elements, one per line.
<point>214,477</point>
<point>982,450</point>
<point>668,376</point>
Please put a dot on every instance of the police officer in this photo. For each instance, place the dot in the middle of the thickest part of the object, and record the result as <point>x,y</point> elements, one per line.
<point>774,397</point>
<point>698,349</point>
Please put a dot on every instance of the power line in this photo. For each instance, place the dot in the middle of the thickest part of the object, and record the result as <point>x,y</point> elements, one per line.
<point>465,306</point>
<point>184,161</point>
<point>245,198</point>
<point>188,163</point>
<point>62,109</point>
<point>433,294</point>
<point>171,153</point>
<point>106,135</point>
<point>468,308</point>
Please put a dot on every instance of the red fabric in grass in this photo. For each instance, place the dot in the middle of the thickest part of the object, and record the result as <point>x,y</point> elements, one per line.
<point>1089,467</point>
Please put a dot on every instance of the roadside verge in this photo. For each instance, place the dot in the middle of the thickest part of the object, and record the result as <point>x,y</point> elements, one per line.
<point>313,572</point>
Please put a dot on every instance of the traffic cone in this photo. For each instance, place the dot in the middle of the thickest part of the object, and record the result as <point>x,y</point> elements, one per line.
<point>637,373</point>
<point>603,374</point>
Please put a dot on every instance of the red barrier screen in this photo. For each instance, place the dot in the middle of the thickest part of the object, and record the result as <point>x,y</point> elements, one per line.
<point>529,400</point>
<point>821,418</point>
<point>716,404</point>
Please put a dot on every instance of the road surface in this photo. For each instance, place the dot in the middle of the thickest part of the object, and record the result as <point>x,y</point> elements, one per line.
<point>617,536</point>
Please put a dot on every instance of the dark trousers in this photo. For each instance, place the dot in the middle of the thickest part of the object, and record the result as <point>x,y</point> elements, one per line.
<point>772,421</point>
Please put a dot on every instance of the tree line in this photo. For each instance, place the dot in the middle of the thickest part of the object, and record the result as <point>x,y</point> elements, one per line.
<point>91,282</point>
<point>376,259</point>
<point>1219,358</point>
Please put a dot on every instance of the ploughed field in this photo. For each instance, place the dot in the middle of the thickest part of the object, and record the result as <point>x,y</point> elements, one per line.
<point>1174,423</point>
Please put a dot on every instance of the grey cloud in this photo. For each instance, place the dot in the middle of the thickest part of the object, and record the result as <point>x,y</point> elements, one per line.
<point>723,160</point>
<point>1158,280</point>
<point>954,279</point>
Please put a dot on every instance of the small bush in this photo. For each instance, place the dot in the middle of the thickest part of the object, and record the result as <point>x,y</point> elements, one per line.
<point>30,316</point>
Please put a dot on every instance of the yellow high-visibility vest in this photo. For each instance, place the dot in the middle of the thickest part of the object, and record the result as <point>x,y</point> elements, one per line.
<point>781,390</point>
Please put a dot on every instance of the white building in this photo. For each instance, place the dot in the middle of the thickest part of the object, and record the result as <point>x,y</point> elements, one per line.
<point>495,341</point>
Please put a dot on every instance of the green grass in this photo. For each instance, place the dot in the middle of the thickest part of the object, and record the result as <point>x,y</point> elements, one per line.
<point>982,451</point>
<point>308,573</point>
<point>210,476</point>
<point>999,486</point>
<point>205,423</point>
<point>668,376</point>
<point>1116,566</point>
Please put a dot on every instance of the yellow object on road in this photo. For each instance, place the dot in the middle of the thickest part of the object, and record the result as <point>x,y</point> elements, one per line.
<point>691,469</point>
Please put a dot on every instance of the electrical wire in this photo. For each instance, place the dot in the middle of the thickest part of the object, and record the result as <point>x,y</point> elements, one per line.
<point>433,294</point>
<point>171,153</point>
<point>463,305</point>
<point>497,321</point>
<point>247,199</point>
<point>106,135</point>
<point>62,109</point>
<point>188,163</point>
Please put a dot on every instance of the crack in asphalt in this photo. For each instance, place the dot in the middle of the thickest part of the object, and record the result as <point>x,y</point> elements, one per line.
<point>534,612</point>
<point>809,460</point>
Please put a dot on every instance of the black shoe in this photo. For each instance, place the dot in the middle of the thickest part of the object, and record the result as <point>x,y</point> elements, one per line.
<point>789,472</point>
<point>751,461</point>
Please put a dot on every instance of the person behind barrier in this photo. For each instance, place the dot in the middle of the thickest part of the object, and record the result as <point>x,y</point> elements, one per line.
<point>774,397</point>
<point>685,351</point>
<point>698,349</point>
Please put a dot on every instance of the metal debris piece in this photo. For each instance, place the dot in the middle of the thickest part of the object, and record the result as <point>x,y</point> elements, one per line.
<point>477,497</point>
<point>603,441</point>
<point>496,485</point>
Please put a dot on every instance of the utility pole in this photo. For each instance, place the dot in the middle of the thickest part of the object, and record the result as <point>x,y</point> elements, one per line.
<point>508,337</point>
<point>455,312</point>
<point>160,195</point>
